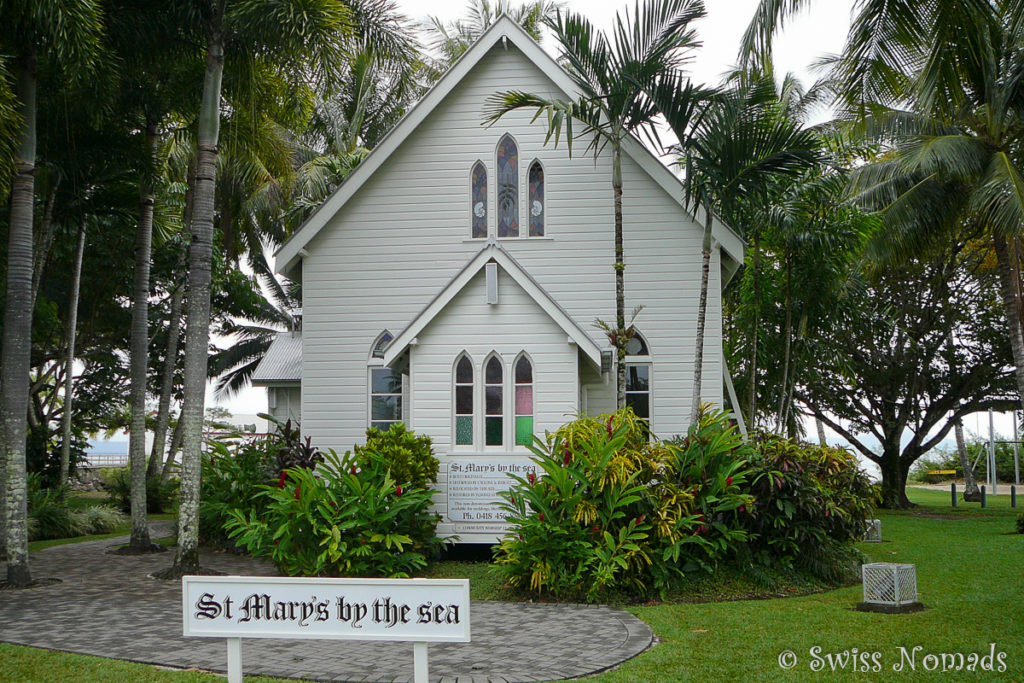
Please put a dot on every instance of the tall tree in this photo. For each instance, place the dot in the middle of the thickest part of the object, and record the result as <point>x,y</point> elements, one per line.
<point>614,78</point>
<point>741,143</point>
<point>306,35</point>
<point>69,34</point>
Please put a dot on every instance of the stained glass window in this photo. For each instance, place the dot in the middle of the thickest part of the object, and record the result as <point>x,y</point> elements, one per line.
<point>381,345</point>
<point>536,182</point>
<point>385,398</point>
<point>508,188</point>
<point>478,201</point>
<point>494,426</point>
<point>464,402</point>
<point>524,401</point>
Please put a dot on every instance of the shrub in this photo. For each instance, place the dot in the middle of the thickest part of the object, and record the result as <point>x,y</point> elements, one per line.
<point>47,510</point>
<point>350,518</point>
<point>161,496</point>
<point>410,458</point>
<point>96,519</point>
<point>810,505</point>
<point>287,447</point>
<point>618,511</point>
<point>232,473</point>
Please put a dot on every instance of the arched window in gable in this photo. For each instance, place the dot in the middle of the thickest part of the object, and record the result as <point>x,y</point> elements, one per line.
<point>523,378</point>
<point>380,344</point>
<point>478,199</point>
<point>494,389</point>
<point>508,187</point>
<point>535,180</point>
<point>464,401</point>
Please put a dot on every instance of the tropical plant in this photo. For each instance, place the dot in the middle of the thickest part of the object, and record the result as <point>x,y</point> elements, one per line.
<point>341,521</point>
<point>409,457</point>
<point>614,78</point>
<point>610,509</point>
<point>808,505</point>
<point>737,147</point>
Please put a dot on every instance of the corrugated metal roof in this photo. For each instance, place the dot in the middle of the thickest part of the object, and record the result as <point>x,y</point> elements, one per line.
<point>283,360</point>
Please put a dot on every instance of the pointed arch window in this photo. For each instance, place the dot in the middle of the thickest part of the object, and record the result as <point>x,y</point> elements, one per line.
<point>464,401</point>
<point>494,389</point>
<point>523,374</point>
<point>478,199</point>
<point>508,187</point>
<point>535,180</point>
<point>380,345</point>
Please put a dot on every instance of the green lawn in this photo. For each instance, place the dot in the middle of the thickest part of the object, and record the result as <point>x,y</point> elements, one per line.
<point>970,577</point>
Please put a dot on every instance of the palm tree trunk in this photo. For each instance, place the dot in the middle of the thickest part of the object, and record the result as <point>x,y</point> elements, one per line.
<point>822,441</point>
<point>620,281</point>
<point>163,414</point>
<point>65,427</point>
<point>42,245</point>
<point>140,352</point>
<point>752,365</point>
<point>186,558</point>
<point>702,314</point>
<point>175,446</point>
<point>17,333</point>
<point>1011,306</point>
<point>788,345</point>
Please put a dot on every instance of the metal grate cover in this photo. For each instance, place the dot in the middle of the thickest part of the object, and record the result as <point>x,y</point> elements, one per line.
<point>886,583</point>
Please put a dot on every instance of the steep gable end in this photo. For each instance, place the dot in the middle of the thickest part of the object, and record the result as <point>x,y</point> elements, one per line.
<point>510,36</point>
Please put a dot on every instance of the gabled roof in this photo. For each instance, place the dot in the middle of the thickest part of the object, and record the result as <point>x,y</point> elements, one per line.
<point>282,363</point>
<point>492,251</point>
<point>291,252</point>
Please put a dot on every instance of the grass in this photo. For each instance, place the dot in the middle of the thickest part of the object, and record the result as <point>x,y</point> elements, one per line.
<point>969,578</point>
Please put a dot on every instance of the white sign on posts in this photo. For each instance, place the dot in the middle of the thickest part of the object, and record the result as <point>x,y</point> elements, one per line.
<point>474,488</point>
<point>235,607</point>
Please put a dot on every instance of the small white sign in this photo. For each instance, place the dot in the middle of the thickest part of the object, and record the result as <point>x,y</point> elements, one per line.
<point>422,610</point>
<point>474,485</point>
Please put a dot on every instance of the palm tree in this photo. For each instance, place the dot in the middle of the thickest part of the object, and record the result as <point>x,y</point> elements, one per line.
<point>451,40</point>
<point>306,37</point>
<point>69,34</point>
<point>949,112</point>
<point>614,78</point>
<point>732,152</point>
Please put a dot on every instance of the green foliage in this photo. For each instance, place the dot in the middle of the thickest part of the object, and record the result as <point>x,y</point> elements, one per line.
<point>809,505</point>
<point>96,519</point>
<point>410,458</point>
<point>47,509</point>
<point>350,518</point>
<point>232,471</point>
<point>610,509</point>
<point>161,496</point>
<point>977,449</point>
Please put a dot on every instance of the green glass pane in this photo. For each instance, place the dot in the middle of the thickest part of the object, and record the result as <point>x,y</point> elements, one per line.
<point>493,428</point>
<point>464,430</point>
<point>524,430</point>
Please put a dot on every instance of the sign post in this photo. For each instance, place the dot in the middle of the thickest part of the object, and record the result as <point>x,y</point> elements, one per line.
<point>420,611</point>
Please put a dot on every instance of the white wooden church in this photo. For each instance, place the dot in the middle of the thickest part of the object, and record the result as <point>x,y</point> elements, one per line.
<point>453,282</point>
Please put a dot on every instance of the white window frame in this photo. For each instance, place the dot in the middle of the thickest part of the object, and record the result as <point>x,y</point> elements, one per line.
<point>471,447</point>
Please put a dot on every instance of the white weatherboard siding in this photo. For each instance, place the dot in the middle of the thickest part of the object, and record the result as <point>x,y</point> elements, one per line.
<point>469,324</point>
<point>285,403</point>
<point>401,238</point>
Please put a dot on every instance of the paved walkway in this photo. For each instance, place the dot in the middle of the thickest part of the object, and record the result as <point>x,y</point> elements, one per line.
<point>107,606</point>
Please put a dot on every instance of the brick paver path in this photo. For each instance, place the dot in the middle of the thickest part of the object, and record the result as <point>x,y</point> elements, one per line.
<point>107,606</point>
